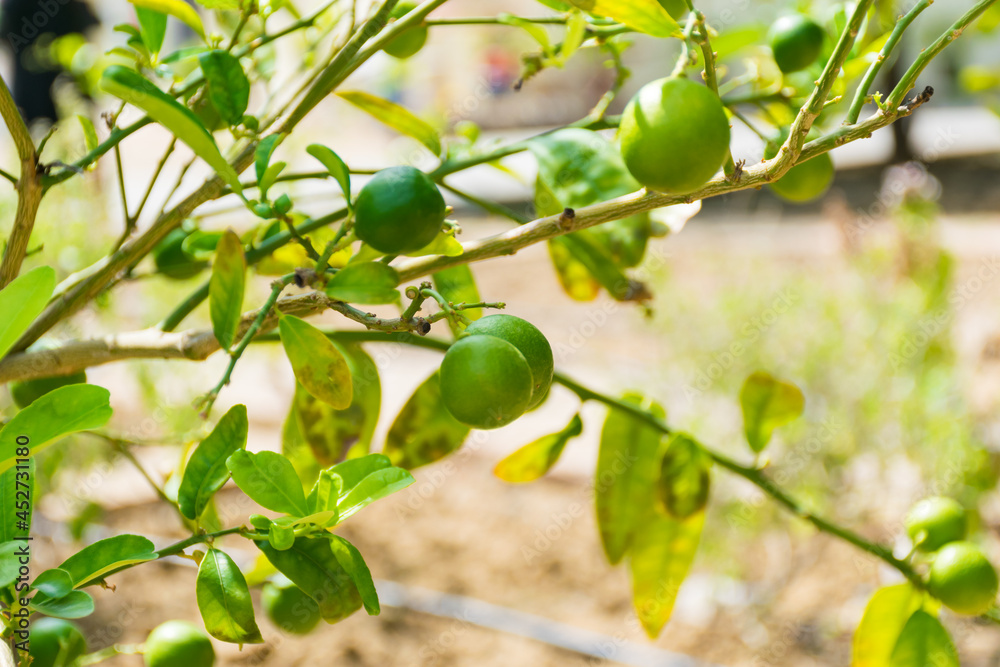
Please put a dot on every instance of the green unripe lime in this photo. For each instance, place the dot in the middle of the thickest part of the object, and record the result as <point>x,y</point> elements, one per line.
<point>172,261</point>
<point>398,211</point>
<point>529,341</point>
<point>26,392</point>
<point>55,642</point>
<point>289,607</point>
<point>674,135</point>
<point>934,522</point>
<point>677,9</point>
<point>410,41</point>
<point>796,42</point>
<point>485,382</point>
<point>178,644</point>
<point>805,181</point>
<point>963,578</point>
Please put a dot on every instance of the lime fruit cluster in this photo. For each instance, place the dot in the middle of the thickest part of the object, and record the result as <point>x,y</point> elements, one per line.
<point>289,607</point>
<point>963,578</point>
<point>500,367</point>
<point>805,181</point>
<point>934,522</point>
<point>26,392</point>
<point>674,135</point>
<point>796,42</point>
<point>410,41</point>
<point>55,642</point>
<point>399,210</point>
<point>173,261</point>
<point>178,644</point>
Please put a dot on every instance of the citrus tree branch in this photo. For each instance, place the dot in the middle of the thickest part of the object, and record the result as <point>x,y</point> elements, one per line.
<point>29,190</point>
<point>890,45</point>
<point>78,295</point>
<point>909,79</point>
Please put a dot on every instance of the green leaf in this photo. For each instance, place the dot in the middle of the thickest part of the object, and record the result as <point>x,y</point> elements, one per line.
<point>646,16</point>
<point>22,301</point>
<point>270,176</point>
<point>89,132</point>
<point>535,459</point>
<point>335,166</point>
<point>76,604</point>
<point>176,8</point>
<point>424,431</point>
<point>129,86</point>
<point>883,621</point>
<point>574,277</point>
<point>374,487</point>
<point>270,481</point>
<point>587,250</point>
<point>685,477</point>
<point>224,600</point>
<point>354,471</point>
<point>325,494</point>
<point>396,117</point>
<point>368,282</point>
<point>75,407</point>
<point>226,287</point>
<point>206,471</point>
<point>16,512</point>
<point>458,285</point>
<point>54,583</point>
<point>89,565</point>
<point>9,562</point>
<point>152,28</point>
<point>767,404</point>
<point>311,566</point>
<point>924,643</point>
<point>228,86</point>
<point>262,155</point>
<point>661,555</point>
<point>628,464</point>
<point>317,363</point>
<point>351,560</point>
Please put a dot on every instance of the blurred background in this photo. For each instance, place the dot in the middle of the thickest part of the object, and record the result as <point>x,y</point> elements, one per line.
<point>881,301</point>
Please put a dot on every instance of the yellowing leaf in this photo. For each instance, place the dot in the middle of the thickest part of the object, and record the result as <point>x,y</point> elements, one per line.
<point>767,404</point>
<point>661,557</point>
<point>880,626</point>
<point>535,459</point>
<point>646,16</point>
<point>318,365</point>
<point>396,117</point>
<point>176,8</point>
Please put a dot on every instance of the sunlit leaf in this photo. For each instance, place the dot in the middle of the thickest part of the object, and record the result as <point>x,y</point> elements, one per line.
<point>228,86</point>
<point>535,459</point>
<point>176,8</point>
<point>885,615</point>
<point>767,404</point>
<point>397,117</point>
<point>22,301</point>
<point>89,565</point>
<point>340,172</point>
<point>224,600</point>
<point>660,558</point>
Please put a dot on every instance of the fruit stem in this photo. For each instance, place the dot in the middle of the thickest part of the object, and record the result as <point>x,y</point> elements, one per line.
<point>897,33</point>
